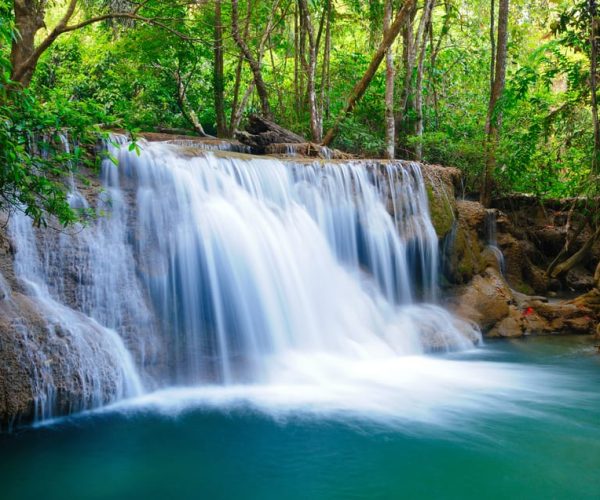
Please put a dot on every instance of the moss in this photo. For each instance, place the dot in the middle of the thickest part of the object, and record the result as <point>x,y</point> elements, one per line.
<point>441,211</point>
<point>524,288</point>
<point>466,259</point>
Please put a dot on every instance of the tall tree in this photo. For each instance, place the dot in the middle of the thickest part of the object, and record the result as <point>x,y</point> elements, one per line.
<point>253,62</point>
<point>219,84</point>
<point>593,15</point>
<point>316,125</point>
<point>390,75</point>
<point>494,115</point>
<point>427,13</point>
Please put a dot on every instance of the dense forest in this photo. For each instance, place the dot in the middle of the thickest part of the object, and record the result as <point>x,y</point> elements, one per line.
<point>504,90</point>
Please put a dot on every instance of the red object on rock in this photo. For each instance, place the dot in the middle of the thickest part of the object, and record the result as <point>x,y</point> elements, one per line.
<point>528,311</point>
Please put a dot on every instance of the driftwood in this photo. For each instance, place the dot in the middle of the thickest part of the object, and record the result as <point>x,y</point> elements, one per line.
<point>261,133</point>
<point>309,149</point>
<point>266,137</point>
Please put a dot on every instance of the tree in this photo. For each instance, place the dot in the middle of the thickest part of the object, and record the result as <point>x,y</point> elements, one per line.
<point>493,121</point>
<point>316,124</point>
<point>426,22</point>
<point>219,85</point>
<point>30,18</point>
<point>252,61</point>
<point>390,74</point>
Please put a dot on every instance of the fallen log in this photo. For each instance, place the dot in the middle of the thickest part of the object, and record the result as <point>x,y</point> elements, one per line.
<point>261,133</point>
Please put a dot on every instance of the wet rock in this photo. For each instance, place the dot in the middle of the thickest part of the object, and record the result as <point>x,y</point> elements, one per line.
<point>484,301</point>
<point>511,326</point>
<point>580,279</point>
<point>440,193</point>
<point>463,248</point>
<point>499,311</point>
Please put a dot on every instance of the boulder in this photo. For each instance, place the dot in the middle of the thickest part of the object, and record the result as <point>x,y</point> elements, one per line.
<point>510,326</point>
<point>486,300</point>
<point>580,279</point>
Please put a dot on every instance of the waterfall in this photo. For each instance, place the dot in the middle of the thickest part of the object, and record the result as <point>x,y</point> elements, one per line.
<point>220,268</point>
<point>491,230</point>
<point>74,362</point>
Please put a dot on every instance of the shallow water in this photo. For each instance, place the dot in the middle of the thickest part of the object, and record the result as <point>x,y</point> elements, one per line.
<point>535,437</point>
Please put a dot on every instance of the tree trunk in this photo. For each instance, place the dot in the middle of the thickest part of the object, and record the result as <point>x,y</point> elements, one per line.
<point>434,54</point>
<point>407,62</point>
<point>219,79</point>
<point>236,114</point>
<point>254,64</point>
<point>297,98</point>
<point>29,19</point>
<point>427,13</point>
<point>237,108</point>
<point>565,266</point>
<point>593,85</point>
<point>315,119</point>
<point>492,44</point>
<point>362,85</point>
<point>493,116</point>
<point>390,133</point>
<point>185,106</point>
<point>325,80</point>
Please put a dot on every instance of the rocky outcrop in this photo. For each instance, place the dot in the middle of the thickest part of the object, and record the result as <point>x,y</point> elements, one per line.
<point>485,301</point>
<point>499,311</point>
<point>532,234</point>
<point>440,182</point>
<point>463,253</point>
<point>54,360</point>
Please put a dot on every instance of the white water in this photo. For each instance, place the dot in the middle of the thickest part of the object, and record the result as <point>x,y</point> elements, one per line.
<point>251,272</point>
<point>491,227</point>
<point>99,368</point>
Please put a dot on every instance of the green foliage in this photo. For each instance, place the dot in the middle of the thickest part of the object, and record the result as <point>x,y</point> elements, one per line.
<point>33,161</point>
<point>122,73</point>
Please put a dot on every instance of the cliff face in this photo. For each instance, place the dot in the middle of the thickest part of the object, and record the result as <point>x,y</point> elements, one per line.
<point>503,286</point>
<point>54,360</point>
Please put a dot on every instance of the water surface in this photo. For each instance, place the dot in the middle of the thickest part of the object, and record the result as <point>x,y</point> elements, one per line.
<point>542,441</point>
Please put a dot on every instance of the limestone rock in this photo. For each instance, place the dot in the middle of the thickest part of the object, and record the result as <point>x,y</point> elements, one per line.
<point>510,326</point>
<point>485,301</point>
<point>580,279</point>
<point>440,184</point>
<point>462,249</point>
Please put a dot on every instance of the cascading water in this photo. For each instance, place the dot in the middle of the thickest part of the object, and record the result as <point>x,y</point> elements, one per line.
<point>491,229</point>
<point>227,269</point>
<point>96,367</point>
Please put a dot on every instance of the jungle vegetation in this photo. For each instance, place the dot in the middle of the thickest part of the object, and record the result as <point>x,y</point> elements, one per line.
<point>506,90</point>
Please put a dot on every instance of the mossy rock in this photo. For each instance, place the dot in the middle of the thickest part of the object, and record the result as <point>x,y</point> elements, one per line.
<point>466,256</point>
<point>441,209</point>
